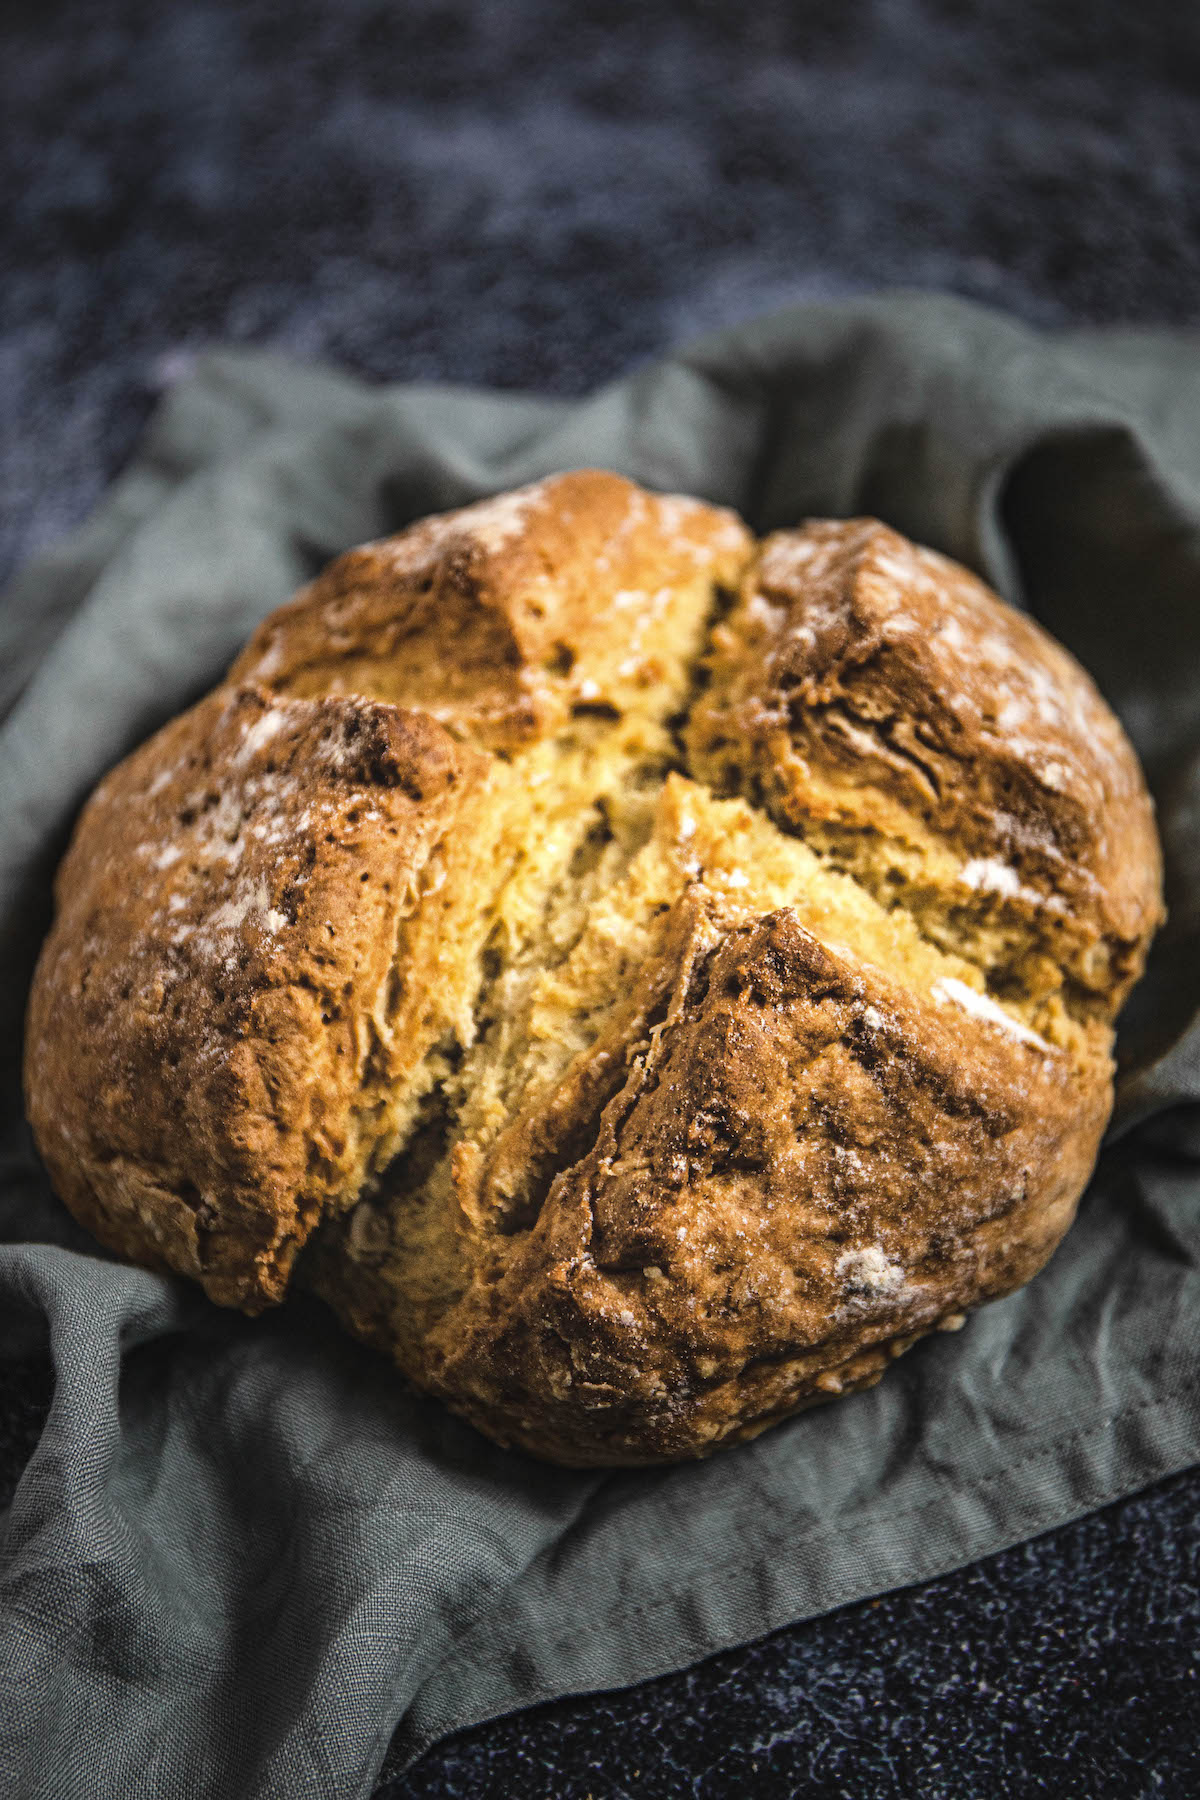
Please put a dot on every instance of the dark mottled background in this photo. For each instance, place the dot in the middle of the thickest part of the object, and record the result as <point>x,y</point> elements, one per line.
<point>528,195</point>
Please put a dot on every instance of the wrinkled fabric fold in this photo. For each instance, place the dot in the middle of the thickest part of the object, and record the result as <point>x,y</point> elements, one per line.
<point>241,1557</point>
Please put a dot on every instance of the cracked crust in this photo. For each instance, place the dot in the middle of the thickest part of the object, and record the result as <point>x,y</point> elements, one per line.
<point>885,704</point>
<point>502,618</point>
<point>641,1017</point>
<point>802,1164</point>
<point>227,916</point>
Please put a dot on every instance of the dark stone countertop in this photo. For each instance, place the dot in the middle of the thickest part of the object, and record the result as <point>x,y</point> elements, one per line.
<point>532,195</point>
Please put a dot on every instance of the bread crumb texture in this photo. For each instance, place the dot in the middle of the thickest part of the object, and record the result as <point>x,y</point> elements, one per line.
<point>642,978</point>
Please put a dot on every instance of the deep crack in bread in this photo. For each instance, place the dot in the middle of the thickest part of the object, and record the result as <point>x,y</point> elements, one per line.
<point>641,978</point>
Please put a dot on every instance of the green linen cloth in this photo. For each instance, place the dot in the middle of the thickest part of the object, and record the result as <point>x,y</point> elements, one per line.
<point>241,1555</point>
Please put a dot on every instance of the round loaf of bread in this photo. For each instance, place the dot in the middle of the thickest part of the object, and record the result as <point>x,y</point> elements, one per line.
<point>642,978</point>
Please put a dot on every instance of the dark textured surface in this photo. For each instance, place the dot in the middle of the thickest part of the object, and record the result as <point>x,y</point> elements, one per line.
<point>528,196</point>
<point>521,196</point>
<point>1069,1666</point>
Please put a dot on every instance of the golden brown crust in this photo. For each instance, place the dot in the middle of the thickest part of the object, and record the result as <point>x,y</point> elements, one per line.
<point>226,917</point>
<point>502,617</point>
<point>626,1121</point>
<point>801,1162</point>
<point>867,683</point>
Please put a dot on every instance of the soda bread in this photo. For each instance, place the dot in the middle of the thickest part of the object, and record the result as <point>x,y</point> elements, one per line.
<point>643,979</point>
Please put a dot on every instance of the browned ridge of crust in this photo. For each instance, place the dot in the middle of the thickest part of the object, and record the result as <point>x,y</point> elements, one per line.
<point>228,909</point>
<point>881,701</point>
<point>647,978</point>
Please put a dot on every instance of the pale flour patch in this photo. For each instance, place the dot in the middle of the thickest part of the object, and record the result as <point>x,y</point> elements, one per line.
<point>981,1006</point>
<point>870,1271</point>
<point>494,523</point>
<point>235,911</point>
<point>988,874</point>
<point>261,732</point>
